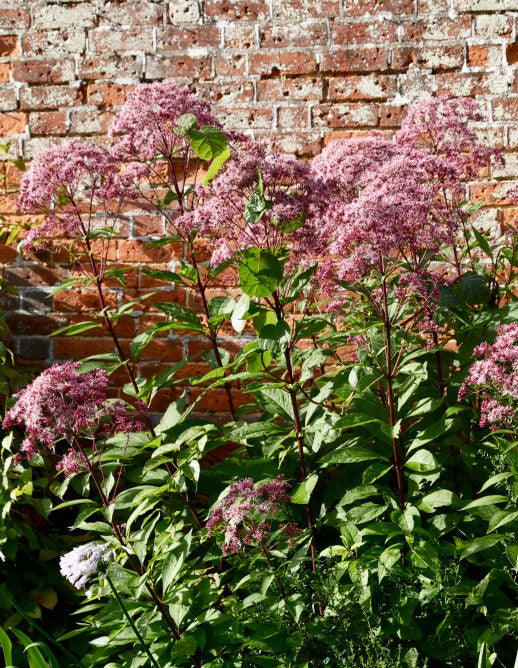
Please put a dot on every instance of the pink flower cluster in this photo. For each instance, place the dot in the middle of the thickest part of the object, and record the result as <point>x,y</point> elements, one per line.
<point>395,199</point>
<point>64,404</point>
<point>258,200</point>
<point>149,116</point>
<point>247,513</point>
<point>496,376</point>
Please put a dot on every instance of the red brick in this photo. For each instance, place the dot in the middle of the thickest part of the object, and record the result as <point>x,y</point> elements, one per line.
<point>178,39</point>
<point>8,99</point>
<point>354,60</point>
<point>49,97</point>
<point>12,123</point>
<point>35,275</point>
<point>302,33</point>
<point>7,254</point>
<point>303,88</point>
<point>165,350</point>
<point>137,251</point>
<point>54,43</point>
<point>107,94</point>
<point>120,41</point>
<point>302,9</point>
<point>178,66</point>
<point>505,110</point>
<point>293,117</point>
<point>8,45</point>
<point>374,7</point>
<point>44,70</point>
<point>391,115</point>
<point>76,348</point>
<point>295,62</point>
<point>79,300</point>
<point>9,203</point>
<point>146,225</point>
<point>48,122</point>
<point>368,87</point>
<point>512,54</point>
<point>110,67</point>
<point>238,36</point>
<point>346,33</point>
<point>492,194</point>
<point>477,56</point>
<point>438,28</point>
<point>432,6</point>
<point>33,323</point>
<point>5,71</point>
<point>245,10</point>
<point>345,115</point>
<point>434,57</point>
<point>230,65</point>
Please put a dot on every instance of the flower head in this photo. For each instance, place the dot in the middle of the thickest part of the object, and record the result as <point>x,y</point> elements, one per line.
<point>247,513</point>
<point>78,565</point>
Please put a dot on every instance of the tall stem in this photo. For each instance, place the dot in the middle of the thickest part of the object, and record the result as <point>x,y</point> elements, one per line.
<point>298,430</point>
<point>131,622</point>
<point>212,334</point>
<point>396,455</point>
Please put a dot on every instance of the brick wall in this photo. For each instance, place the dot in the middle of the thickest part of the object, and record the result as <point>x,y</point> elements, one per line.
<point>295,73</point>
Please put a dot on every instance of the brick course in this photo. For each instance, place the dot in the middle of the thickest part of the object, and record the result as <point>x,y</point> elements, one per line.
<point>294,73</point>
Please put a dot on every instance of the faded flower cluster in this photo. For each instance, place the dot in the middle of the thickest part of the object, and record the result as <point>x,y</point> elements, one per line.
<point>63,403</point>
<point>495,377</point>
<point>78,565</point>
<point>247,513</point>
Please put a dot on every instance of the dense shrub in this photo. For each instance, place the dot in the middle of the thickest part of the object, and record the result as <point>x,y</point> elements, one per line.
<point>367,514</point>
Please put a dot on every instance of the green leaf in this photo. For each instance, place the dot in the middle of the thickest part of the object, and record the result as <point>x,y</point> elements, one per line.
<point>77,328</point>
<point>164,275</point>
<point>485,501</point>
<point>303,491</point>
<point>405,519</point>
<point>421,461</point>
<point>34,656</point>
<point>216,166</point>
<point>388,559</point>
<point>185,124</point>
<point>6,647</point>
<point>276,402</point>
<point>260,272</point>
<point>482,242</point>
<point>181,314</point>
<point>467,548</point>
<point>274,337</point>
<point>208,142</point>
<point>351,455</point>
<point>174,560</point>
<point>437,499</point>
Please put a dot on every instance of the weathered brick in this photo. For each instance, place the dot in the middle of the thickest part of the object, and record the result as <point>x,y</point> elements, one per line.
<point>437,28</point>
<point>477,56</point>
<point>486,5</point>
<point>302,33</point>
<point>131,13</point>
<point>14,19</point>
<point>391,115</point>
<point>244,118</point>
<point>489,26</point>
<point>8,45</point>
<point>184,11</point>
<point>354,60</point>
<point>136,251</point>
<point>110,67</point>
<point>368,87</point>
<point>374,7</point>
<point>226,92</point>
<point>33,347</point>
<point>230,65</point>
<point>120,41</point>
<point>179,39</point>
<point>12,123</point>
<point>237,36</point>
<point>302,9</point>
<point>456,84</point>
<point>8,98</point>
<point>344,33</point>
<point>44,70</point>
<point>107,94</point>
<point>294,62</point>
<point>492,194</point>
<point>48,17</point>
<point>434,57</point>
<point>345,115</point>
<point>52,43</point>
<point>507,171</point>
<point>303,88</point>
<point>5,71</point>
<point>90,121</point>
<point>232,10</point>
<point>48,122</point>
<point>505,110</point>
<point>293,117</point>
<point>432,6</point>
<point>49,97</point>
<point>187,67</point>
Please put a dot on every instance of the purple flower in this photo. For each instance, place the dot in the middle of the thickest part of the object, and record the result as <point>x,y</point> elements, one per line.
<point>246,514</point>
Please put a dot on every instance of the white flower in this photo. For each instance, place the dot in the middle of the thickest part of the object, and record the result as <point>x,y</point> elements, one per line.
<point>81,563</point>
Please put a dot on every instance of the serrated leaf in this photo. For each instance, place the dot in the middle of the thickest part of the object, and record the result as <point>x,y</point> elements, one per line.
<point>208,142</point>
<point>304,489</point>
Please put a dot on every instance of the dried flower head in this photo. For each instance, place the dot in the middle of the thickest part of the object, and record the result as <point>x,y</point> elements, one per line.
<point>81,563</point>
<point>247,513</point>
